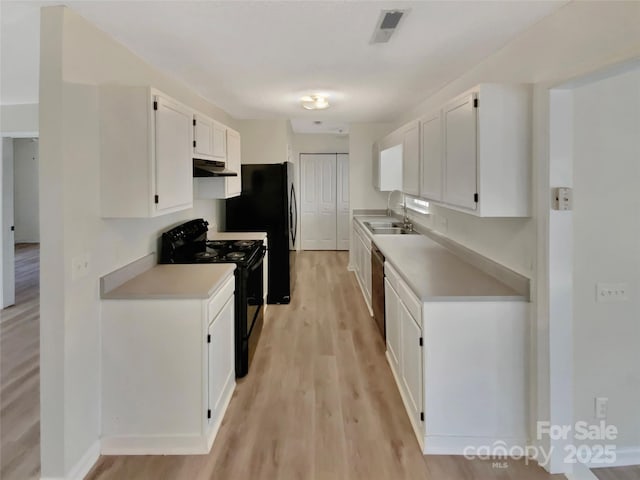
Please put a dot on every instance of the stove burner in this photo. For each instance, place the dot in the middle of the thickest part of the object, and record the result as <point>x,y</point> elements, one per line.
<point>216,243</point>
<point>209,254</point>
<point>244,243</point>
<point>235,255</point>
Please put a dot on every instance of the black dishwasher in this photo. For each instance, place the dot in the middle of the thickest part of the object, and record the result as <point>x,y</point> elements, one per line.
<point>377,288</point>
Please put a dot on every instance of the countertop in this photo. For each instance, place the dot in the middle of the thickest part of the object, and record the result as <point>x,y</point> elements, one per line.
<point>436,274</point>
<point>188,281</point>
<point>236,235</point>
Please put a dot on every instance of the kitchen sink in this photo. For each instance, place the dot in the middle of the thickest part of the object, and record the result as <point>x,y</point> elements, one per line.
<point>388,228</point>
<point>383,224</point>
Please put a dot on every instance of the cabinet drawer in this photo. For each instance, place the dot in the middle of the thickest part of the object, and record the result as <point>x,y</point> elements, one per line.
<point>414,306</point>
<point>391,275</point>
<point>220,298</point>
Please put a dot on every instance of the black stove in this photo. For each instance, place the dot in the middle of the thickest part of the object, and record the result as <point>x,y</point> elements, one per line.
<point>187,243</point>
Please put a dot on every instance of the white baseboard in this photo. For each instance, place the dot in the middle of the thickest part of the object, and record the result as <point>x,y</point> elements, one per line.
<point>624,458</point>
<point>155,445</point>
<point>83,466</point>
<point>450,445</point>
<point>580,472</point>
<point>168,444</point>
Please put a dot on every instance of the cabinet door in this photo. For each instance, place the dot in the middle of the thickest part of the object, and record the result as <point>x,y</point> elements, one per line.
<point>431,174</point>
<point>342,202</point>
<point>202,136</point>
<point>219,149</point>
<point>173,147</point>
<point>392,324</point>
<point>356,249</point>
<point>361,250</point>
<point>234,184</point>
<point>460,174</point>
<point>221,357</point>
<point>411,159</point>
<point>366,260</point>
<point>411,361</point>
<point>390,169</point>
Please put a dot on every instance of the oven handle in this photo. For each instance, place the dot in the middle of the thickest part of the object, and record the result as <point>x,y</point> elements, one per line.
<point>257,264</point>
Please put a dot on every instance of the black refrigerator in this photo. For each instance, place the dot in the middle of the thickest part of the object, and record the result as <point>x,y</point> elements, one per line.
<point>268,204</point>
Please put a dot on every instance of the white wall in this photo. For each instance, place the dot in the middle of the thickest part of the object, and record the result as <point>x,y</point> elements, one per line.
<point>362,136</point>
<point>76,58</point>
<point>19,120</point>
<point>26,190</point>
<point>606,166</point>
<point>264,141</point>
<point>320,143</point>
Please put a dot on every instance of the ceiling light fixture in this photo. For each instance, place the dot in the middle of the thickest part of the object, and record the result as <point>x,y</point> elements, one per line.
<point>314,102</point>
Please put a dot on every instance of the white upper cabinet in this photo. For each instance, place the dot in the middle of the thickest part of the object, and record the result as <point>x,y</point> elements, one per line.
<point>222,187</point>
<point>431,157</point>
<point>389,169</point>
<point>411,158</point>
<point>145,146</point>
<point>209,138</point>
<point>234,160</point>
<point>460,153</point>
<point>397,166</point>
<point>487,151</point>
<point>202,136</point>
<point>219,141</point>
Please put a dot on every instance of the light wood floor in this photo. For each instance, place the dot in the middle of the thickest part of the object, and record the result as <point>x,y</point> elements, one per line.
<point>19,372</point>
<point>619,473</point>
<point>319,403</point>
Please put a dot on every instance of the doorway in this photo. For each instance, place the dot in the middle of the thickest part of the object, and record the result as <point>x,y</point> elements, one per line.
<point>20,317</point>
<point>594,266</point>
<point>324,204</point>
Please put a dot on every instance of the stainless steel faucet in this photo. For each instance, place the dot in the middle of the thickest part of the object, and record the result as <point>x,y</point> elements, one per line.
<point>406,224</point>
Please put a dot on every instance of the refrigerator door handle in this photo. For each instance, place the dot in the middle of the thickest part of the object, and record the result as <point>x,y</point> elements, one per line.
<point>293,216</point>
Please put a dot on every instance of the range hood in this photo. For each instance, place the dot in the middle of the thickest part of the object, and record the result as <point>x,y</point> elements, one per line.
<point>211,168</point>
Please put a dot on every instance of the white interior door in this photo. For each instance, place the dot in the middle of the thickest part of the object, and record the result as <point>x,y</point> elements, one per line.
<point>7,261</point>
<point>318,202</point>
<point>343,216</point>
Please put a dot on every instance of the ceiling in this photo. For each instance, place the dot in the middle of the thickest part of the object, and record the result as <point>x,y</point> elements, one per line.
<point>255,59</point>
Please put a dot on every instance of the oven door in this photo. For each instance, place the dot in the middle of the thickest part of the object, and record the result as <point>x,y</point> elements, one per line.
<point>255,291</point>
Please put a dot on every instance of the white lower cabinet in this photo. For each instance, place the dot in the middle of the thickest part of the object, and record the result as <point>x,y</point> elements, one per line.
<point>168,373</point>
<point>392,311</point>
<point>460,367</point>
<point>221,360</point>
<point>404,346</point>
<point>362,262</point>
<point>412,363</point>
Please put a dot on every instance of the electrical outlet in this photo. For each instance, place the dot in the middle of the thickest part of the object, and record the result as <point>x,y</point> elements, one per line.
<point>601,404</point>
<point>611,292</point>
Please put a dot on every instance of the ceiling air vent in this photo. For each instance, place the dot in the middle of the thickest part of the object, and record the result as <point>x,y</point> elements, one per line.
<point>387,23</point>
